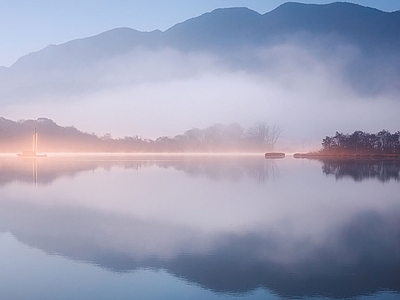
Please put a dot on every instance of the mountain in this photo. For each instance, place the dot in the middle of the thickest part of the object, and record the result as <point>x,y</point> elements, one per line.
<point>365,27</point>
<point>219,29</point>
<point>231,27</point>
<point>347,46</point>
<point>87,51</point>
<point>368,28</point>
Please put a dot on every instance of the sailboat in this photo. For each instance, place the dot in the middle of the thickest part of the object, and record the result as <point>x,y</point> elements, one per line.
<point>32,153</point>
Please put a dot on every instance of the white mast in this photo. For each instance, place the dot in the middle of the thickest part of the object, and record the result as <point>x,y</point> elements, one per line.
<point>34,142</point>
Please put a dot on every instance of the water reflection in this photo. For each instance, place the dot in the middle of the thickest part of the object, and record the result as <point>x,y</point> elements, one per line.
<point>358,170</point>
<point>225,168</point>
<point>41,171</point>
<point>227,234</point>
<point>361,257</point>
<point>44,171</point>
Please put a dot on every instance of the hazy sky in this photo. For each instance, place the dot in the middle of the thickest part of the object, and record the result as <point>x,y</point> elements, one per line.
<point>27,26</point>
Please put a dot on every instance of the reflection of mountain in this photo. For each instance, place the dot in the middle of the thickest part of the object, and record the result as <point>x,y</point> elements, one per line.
<point>358,170</point>
<point>238,266</point>
<point>44,171</point>
<point>358,258</point>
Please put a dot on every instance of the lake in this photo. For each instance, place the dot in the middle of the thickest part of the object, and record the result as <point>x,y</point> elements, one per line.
<point>198,227</point>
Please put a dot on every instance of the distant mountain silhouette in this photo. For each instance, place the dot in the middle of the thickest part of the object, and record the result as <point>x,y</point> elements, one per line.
<point>368,28</point>
<point>219,29</point>
<point>229,34</point>
<point>235,27</point>
<point>87,51</point>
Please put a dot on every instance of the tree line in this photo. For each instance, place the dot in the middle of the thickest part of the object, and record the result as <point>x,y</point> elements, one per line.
<point>219,137</point>
<point>16,136</point>
<point>362,142</point>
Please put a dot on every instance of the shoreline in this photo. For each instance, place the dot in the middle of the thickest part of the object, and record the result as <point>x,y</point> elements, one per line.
<point>93,154</point>
<point>351,156</point>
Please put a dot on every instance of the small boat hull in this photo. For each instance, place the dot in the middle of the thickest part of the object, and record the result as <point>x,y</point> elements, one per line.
<point>30,155</point>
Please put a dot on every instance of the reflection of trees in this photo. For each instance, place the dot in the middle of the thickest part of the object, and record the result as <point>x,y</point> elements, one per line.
<point>359,170</point>
<point>226,168</point>
<point>264,171</point>
<point>44,171</point>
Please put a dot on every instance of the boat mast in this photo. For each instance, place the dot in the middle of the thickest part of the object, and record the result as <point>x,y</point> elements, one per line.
<point>35,140</point>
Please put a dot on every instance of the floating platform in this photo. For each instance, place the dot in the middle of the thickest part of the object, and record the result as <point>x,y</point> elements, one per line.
<point>275,155</point>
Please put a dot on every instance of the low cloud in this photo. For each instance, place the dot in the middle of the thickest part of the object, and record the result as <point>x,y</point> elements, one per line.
<point>309,92</point>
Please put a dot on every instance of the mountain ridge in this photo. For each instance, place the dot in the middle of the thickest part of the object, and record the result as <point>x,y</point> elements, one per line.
<point>239,23</point>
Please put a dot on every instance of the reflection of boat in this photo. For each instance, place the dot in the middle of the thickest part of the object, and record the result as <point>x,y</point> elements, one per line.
<point>274,155</point>
<point>32,153</point>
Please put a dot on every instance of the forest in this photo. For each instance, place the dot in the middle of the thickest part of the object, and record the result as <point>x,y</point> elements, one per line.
<point>16,136</point>
<point>360,142</point>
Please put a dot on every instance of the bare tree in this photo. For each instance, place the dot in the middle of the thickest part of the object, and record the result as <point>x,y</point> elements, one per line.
<point>263,135</point>
<point>275,134</point>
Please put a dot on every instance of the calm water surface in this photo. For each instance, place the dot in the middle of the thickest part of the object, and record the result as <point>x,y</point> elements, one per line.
<point>198,228</point>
